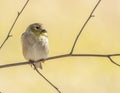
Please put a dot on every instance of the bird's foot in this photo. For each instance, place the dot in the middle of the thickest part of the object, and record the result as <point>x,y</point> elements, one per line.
<point>32,64</point>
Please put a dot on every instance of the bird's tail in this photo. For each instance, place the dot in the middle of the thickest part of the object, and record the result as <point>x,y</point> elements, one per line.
<point>38,65</point>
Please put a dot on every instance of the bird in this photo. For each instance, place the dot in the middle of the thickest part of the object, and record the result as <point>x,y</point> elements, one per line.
<point>35,44</point>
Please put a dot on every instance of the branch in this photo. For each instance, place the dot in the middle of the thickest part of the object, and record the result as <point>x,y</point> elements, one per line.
<point>81,30</point>
<point>46,79</point>
<point>63,56</point>
<point>18,15</point>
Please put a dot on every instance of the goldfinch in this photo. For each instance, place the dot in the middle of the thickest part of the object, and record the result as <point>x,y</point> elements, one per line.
<point>35,44</point>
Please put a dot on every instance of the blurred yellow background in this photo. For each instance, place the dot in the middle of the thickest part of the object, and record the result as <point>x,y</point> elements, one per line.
<point>63,20</point>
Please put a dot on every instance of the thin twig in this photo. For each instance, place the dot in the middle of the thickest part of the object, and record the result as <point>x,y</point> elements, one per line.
<point>60,56</point>
<point>81,30</point>
<point>46,79</point>
<point>18,15</point>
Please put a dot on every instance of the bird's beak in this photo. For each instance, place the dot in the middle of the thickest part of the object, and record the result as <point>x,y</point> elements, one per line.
<point>43,31</point>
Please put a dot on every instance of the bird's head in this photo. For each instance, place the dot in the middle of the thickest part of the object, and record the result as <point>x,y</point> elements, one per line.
<point>37,29</point>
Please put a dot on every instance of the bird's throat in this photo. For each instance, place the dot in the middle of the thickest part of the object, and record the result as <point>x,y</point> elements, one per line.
<point>39,34</point>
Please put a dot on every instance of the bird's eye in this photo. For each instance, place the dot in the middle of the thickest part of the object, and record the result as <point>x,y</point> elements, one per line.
<point>37,27</point>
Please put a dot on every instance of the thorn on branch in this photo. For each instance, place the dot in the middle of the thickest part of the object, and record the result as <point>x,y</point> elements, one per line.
<point>92,15</point>
<point>18,13</point>
<point>10,35</point>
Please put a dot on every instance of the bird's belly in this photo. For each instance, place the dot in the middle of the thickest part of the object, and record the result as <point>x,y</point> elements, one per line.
<point>36,52</point>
